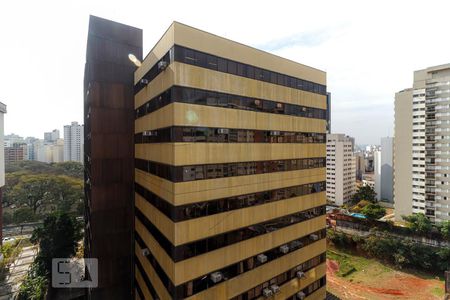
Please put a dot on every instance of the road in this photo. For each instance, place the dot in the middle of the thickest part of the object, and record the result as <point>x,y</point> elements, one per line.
<point>17,272</point>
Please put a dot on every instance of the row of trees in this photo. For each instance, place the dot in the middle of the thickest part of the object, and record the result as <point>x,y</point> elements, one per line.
<point>421,225</point>
<point>34,189</point>
<point>400,252</point>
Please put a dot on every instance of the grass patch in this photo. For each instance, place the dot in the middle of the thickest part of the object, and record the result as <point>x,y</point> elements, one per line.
<point>355,267</point>
<point>438,291</point>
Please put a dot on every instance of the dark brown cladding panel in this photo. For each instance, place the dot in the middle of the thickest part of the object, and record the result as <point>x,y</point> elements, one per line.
<point>109,153</point>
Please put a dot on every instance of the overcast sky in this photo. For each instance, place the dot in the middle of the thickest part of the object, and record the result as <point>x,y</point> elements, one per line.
<point>369,50</point>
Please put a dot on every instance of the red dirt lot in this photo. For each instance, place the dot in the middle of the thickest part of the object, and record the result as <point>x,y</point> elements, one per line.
<point>391,285</point>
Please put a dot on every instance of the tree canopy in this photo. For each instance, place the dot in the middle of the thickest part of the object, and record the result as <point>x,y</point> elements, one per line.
<point>373,211</point>
<point>418,223</point>
<point>42,188</point>
<point>57,237</point>
<point>365,193</point>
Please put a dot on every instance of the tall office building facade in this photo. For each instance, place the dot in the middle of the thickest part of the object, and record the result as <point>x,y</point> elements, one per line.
<point>340,168</point>
<point>430,138</point>
<point>229,172</point>
<point>73,142</point>
<point>109,155</point>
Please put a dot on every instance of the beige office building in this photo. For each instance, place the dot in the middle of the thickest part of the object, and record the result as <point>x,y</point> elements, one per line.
<point>429,147</point>
<point>341,169</point>
<point>229,172</point>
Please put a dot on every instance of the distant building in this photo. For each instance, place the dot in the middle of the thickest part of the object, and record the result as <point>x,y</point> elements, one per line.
<point>16,152</point>
<point>49,152</point>
<point>384,170</point>
<point>369,162</point>
<point>368,182</point>
<point>31,151</point>
<point>360,165</point>
<point>12,139</point>
<point>73,142</point>
<point>421,163</point>
<point>341,171</point>
<point>52,136</point>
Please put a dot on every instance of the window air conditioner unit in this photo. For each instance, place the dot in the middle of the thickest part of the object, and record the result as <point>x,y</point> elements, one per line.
<point>300,274</point>
<point>223,131</point>
<point>301,295</point>
<point>314,237</point>
<point>267,293</point>
<point>162,65</point>
<point>216,277</point>
<point>296,244</point>
<point>275,288</point>
<point>274,132</point>
<point>145,252</point>
<point>150,133</point>
<point>144,81</point>
<point>284,249</point>
<point>261,258</point>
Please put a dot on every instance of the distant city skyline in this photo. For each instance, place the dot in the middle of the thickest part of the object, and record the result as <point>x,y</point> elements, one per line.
<point>367,53</point>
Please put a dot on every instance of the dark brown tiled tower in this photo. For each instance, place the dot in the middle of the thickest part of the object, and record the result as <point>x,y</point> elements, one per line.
<point>109,153</point>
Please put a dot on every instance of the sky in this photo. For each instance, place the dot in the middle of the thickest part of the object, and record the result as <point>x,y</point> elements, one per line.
<point>369,50</point>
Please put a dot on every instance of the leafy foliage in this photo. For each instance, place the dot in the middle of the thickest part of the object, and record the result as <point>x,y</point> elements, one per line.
<point>365,193</point>
<point>72,169</point>
<point>359,206</point>
<point>373,211</point>
<point>444,228</point>
<point>43,188</point>
<point>418,223</point>
<point>57,237</point>
<point>23,215</point>
<point>33,287</point>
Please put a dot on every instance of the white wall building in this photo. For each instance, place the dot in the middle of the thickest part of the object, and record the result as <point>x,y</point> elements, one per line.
<point>73,142</point>
<point>341,170</point>
<point>383,170</point>
<point>422,128</point>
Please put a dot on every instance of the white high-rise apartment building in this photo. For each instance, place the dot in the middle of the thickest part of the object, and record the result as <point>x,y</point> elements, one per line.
<point>341,168</point>
<point>73,142</point>
<point>429,146</point>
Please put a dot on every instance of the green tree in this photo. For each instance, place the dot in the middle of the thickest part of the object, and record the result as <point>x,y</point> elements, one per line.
<point>365,193</point>
<point>418,223</point>
<point>32,190</point>
<point>57,237</point>
<point>23,215</point>
<point>444,228</point>
<point>7,218</point>
<point>34,286</point>
<point>65,193</point>
<point>373,211</point>
<point>69,168</point>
